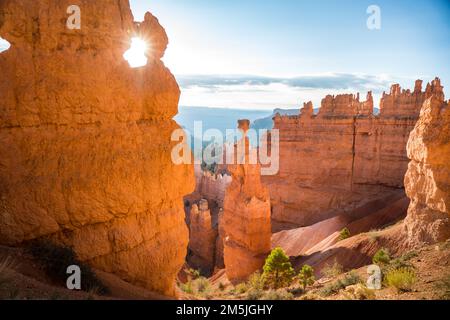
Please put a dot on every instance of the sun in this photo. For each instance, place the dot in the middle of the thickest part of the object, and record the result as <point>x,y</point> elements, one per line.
<point>136,54</point>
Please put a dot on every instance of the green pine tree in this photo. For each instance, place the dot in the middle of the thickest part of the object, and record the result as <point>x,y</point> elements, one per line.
<point>344,234</point>
<point>278,271</point>
<point>306,276</point>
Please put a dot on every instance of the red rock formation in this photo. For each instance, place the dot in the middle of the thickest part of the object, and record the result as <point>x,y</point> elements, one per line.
<point>202,240</point>
<point>211,186</point>
<point>344,156</point>
<point>85,140</point>
<point>246,218</point>
<point>427,180</point>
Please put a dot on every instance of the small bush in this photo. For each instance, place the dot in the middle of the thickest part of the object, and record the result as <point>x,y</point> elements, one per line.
<point>331,289</point>
<point>280,294</point>
<point>200,286</point>
<point>278,271</point>
<point>55,260</point>
<point>409,255</point>
<point>350,279</point>
<point>254,294</point>
<point>256,281</point>
<point>193,274</point>
<point>241,288</point>
<point>187,287</point>
<point>359,292</point>
<point>306,276</point>
<point>402,279</point>
<point>221,286</point>
<point>344,234</point>
<point>333,270</point>
<point>381,257</point>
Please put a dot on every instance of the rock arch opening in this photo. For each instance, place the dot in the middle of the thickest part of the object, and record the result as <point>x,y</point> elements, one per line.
<point>4,45</point>
<point>137,54</point>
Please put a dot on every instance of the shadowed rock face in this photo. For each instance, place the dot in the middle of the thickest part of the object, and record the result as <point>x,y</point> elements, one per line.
<point>85,140</point>
<point>427,180</point>
<point>202,239</point>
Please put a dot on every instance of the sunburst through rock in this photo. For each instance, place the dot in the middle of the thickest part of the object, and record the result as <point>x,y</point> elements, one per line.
<point>136,55</point>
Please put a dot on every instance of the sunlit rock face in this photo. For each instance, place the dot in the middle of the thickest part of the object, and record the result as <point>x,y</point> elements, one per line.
<point>344,156</point>
<point>85,140</point>
<point>427,180</point>
<point>246,219</point>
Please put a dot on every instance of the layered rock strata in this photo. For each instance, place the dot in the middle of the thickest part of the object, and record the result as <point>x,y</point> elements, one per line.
<point>344,155</point>
<point>85,140</point>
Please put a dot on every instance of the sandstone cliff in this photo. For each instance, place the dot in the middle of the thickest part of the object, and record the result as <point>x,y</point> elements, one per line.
<point>427,180</point>
<point>246,218</point>
<point>343,156</point>
<point>85,140</point>
<point>428,216</point>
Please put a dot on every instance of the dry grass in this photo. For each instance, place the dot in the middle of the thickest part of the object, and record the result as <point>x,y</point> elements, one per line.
<point>6,266</point>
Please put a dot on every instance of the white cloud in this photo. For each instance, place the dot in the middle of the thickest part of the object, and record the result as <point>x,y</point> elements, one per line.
<point>257,92</point>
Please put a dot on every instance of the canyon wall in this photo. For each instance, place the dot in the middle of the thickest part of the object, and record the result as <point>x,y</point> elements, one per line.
<point>246,218</point>
<point>85,140</point>
<point>211,186</point>
<point>427,180</point>
<point>345,155</point>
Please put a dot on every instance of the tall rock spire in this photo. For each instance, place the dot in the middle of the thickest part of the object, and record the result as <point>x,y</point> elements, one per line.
<point>246,218</point>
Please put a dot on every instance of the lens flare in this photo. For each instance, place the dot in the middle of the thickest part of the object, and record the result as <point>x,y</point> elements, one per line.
<point>136,54</point>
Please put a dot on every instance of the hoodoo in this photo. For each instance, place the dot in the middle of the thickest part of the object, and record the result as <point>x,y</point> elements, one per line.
<point>202,240</point>
<point>85,140</point>
<point>427,180</point>
<point>246,217</point>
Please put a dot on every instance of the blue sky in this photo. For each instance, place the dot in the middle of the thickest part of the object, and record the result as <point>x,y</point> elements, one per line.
<point>317,42</point>
<point>264,54</point>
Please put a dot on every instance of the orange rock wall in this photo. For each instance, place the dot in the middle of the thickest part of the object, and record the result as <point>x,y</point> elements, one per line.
<point>85,140</point>
<point>344,155</point>
<point>427,180</point>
